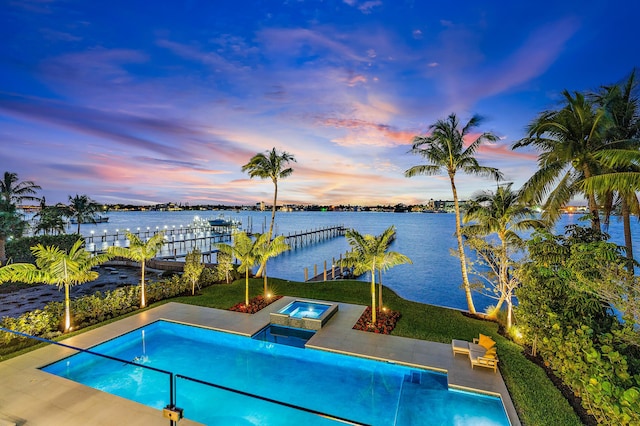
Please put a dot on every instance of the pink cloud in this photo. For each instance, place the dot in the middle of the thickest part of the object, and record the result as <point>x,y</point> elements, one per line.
<point>380,134</point>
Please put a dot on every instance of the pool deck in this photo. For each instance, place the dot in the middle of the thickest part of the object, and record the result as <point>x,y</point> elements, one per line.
<point>32,397</point>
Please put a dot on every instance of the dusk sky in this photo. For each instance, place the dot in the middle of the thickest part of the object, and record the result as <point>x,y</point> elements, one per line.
<point>143,102</point>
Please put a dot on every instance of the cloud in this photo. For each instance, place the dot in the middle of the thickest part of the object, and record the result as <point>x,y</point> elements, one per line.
<point>363,132</point>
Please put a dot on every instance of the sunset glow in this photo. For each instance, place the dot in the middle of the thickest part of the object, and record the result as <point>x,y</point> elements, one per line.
<point>139,103</point>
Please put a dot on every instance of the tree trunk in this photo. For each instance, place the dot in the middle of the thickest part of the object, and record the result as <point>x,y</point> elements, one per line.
<point>67,309</point>
<point>273,219</point>
<point>264,274</point>
<point>143,300</point>
<point>373,296</point>
<point>593,205</point>
<point>628,242</point>
<point>3,253</point>
<point>463,259</point>
<point>380,289</point>
<point>246,286</point>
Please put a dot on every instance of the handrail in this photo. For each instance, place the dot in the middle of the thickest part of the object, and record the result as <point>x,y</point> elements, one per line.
<point>173,376</point>
<point>273,401</point>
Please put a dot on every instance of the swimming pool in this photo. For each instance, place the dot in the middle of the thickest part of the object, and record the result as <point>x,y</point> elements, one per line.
<point>302,309</point>
<point>362,390</point>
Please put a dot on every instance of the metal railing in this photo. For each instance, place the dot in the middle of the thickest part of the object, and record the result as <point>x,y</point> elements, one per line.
<point>171,407</point>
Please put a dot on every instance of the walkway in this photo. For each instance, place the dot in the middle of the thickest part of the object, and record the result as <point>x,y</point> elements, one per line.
<point>31,397</point>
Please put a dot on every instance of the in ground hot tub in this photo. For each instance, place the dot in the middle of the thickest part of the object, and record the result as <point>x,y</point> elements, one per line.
<point>304,314</point>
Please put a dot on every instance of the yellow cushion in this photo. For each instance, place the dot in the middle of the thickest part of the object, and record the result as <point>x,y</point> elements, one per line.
<point>491,353</point>
<point>486,341</point>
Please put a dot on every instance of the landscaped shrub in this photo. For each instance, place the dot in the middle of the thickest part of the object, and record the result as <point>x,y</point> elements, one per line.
<point>86,310</point>
<point>19,250</point>
<point>596,372</point>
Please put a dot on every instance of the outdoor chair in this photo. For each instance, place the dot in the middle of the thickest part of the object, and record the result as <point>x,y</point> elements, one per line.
<point>481,352</point>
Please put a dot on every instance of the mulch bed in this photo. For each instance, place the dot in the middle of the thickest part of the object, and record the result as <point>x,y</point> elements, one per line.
<point>385,321</point>
<point>255,304</point>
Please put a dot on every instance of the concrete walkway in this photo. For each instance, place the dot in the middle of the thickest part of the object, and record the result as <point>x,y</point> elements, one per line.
<point>29,396</point>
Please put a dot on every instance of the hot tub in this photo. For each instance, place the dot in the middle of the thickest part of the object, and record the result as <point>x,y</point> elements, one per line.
<point>305,314</point>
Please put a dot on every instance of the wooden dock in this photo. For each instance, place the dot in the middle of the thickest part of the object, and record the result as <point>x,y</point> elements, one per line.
<point>303,238</point>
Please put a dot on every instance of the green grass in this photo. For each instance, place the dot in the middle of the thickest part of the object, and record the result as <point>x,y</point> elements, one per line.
<point>537,400</point>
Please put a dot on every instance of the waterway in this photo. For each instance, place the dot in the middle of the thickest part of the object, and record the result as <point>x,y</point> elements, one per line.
<point>428,239</point>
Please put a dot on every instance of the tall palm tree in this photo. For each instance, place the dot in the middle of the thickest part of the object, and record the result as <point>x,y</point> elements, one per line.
<point>270,165</point>
<point>83,209</point>
<point>503,214</point>
<point>14,192</point>
<point>247,251</point>
<point>57,267</point>
<point>568,139</point>
<point>270,249</point>
<point>370,253</point>
<point>444,149</point>
<point>139,251</point>
<point>622,105</point>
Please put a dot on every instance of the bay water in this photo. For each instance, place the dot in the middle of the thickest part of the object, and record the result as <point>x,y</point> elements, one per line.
<point>427,239</point>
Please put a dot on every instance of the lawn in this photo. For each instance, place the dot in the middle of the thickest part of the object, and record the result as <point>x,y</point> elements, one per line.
<point>537,400</point>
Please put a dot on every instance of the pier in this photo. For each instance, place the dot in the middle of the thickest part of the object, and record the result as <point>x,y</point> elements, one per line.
<point>177,241</point>
<point>303,238</point>
<point>335,271</point>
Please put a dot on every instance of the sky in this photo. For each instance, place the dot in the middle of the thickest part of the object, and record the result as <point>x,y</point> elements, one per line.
<point>138,102</point>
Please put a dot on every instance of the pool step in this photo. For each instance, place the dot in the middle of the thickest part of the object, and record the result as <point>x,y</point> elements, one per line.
<point>413,377</point>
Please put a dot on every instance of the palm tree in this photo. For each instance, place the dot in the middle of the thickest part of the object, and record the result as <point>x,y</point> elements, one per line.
<point>82,209</point>
<point>51,219</point>
<point>14,192</point>
<point>622,105</point>
<point>444,150</point>
<point>370,253</point>
<point>57,267</point>
<point>272,165</point>
<point>503,214</point>
<point>270,249</point>
<point>247,251</point>
<point>139,251</point>
<point>568,139</point>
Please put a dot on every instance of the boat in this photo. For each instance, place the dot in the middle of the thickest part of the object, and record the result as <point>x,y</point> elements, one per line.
<point>99,219</point>
<point>223,222</point>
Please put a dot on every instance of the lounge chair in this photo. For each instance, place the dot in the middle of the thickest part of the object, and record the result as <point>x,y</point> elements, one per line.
<point>481,352</point>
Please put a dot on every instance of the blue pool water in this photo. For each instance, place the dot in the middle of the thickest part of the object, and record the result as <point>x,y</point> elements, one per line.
<point>301,309</point>
<point>358,389</point>
<point>290,336</point>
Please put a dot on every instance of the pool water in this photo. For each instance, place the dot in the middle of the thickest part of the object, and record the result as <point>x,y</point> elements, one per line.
<point>290,336</point>
<point>301,309</point>
<point>358,389</point>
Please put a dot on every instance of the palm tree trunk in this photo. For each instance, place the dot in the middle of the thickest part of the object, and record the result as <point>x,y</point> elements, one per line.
<point>143,301</point>
<point>373,295</point>
<point>380,288</point>
<point>67,309</point>
<point>264,275</point>
<point>273,219</point>
<point>628,242</point>
<point>246,286</point>
<point>273,209</point>
<point>593,204</point>
<point>3,253</point>
<point>463,259</point>
<point>79,225</point>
